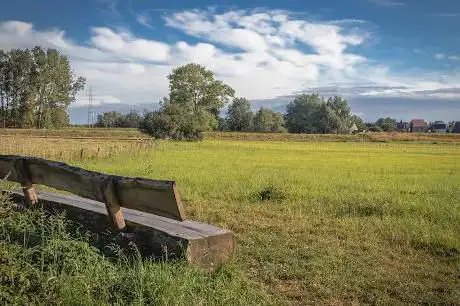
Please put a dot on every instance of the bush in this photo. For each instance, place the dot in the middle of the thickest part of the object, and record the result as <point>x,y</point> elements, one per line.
<point>375,128</point>
<point>175,122</point>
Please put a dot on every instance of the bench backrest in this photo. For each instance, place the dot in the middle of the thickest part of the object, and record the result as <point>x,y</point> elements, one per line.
<point>151,196</point>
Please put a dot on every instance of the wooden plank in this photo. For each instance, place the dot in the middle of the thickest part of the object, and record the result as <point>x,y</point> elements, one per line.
<point>152,196</point>
<point>7,171</point>
<point>201,244</point>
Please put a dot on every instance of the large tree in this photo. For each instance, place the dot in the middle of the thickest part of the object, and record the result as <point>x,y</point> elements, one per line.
<point>36,87</point>
<point>194,88</point>
<point>387,124</point>
<point>193,106</point>
<point>310,113</point>
<point>266,120</point>
<point>239,115</point>
<point>340,117</point>
<point>302,114</point>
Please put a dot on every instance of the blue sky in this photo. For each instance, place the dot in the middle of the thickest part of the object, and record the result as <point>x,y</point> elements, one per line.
<point>397,58</point>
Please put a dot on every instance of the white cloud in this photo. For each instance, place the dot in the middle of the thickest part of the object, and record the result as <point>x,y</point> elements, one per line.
<point>262,54</point>
<point>144,20</point>
<point>442,15</point>
<point>439,56</point>
<point>125,45</point>
<point>387,3</point>
<point>451,57</point>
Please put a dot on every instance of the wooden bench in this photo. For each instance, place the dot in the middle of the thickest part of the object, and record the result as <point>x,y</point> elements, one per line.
<point>148,211</point>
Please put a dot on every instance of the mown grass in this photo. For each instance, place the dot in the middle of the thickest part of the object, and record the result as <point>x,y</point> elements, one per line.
<point>317,222</point>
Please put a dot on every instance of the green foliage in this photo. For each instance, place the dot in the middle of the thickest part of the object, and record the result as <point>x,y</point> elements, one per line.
<point>131,120</point>
<point>194,88</point>
<point>270,193</point>
<point>266,120</point>
<point>195,99</point>
<point>239,117</point>
<point>222,124</point>
<point>375,128</point>
<point>387,124</point>
<point>338,114</point>
<point>359,122</point>
<point>312,114</point>
<point>36,87</point>
<point>173,121</point>
<point>302,113</point>
<point>116,119</point>
<point>59,118</point>
<point>108,119</point>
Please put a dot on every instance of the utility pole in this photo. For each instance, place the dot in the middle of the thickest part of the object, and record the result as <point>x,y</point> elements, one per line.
<point>90,106</point>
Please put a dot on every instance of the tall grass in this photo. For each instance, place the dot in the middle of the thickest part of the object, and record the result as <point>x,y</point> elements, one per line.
<point>45,259</point>
<point>70,150</point>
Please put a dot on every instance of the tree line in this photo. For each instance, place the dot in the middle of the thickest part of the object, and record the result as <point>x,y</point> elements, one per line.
<point>36,87</point>
<point>119,120</point>
<point>196,98</point>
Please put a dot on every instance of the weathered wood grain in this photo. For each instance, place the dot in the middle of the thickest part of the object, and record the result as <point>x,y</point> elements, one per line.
<point>201,244</point>
<point>152,196</point>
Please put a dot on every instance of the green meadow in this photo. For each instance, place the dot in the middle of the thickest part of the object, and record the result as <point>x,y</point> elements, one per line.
<point>316,222</point>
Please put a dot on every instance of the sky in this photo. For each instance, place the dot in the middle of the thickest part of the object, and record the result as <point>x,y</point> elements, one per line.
<point>398,58</point>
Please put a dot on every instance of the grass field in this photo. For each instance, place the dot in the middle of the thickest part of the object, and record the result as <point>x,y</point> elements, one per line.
<point>317,222</point>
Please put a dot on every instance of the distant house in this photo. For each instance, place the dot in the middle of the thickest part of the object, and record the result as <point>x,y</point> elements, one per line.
<point>457,127</point>
<point>403,126</point>
<point>439,127</point>
<point>354,129</point>
<point>418,126</point>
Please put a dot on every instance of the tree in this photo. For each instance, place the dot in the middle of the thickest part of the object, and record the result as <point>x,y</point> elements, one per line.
<point>301,114</point>
<point>310,113</point>
<point>387,124</point>
<point>130,120</point>
<point>108,119</point>
<point>239,116</point>
<point>36,87</point>
<point>59,118</point>
<point>359,122</point>
<point>266,120</point>
<point>222,124</point>
<point>195,99</point>
<point>173,121</point>
<point>340,117</point>
<point>194,87</point>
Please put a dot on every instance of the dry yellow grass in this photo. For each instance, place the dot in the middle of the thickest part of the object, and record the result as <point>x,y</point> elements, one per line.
<point>71,149</point>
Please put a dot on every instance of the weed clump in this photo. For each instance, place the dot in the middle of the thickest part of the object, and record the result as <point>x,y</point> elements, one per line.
<point>270,193</point>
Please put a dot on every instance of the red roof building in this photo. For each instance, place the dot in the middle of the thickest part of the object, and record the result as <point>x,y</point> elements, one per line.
<point>418,126</point>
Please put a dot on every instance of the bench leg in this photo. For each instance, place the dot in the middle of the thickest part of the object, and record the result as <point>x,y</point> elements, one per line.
<point>30,195</point>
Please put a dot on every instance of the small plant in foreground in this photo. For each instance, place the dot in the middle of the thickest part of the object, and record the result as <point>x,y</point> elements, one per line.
<point>270,193</point>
